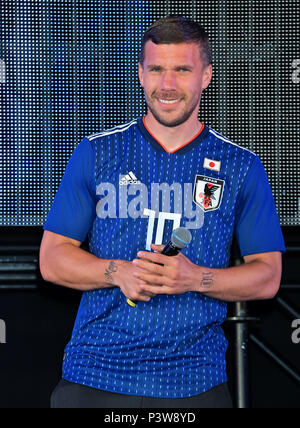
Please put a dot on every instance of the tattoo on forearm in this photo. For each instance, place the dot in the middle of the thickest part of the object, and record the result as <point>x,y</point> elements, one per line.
<point>112,268</point>
<point>207,280</point>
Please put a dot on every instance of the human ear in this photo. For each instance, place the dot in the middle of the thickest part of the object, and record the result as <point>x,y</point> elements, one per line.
<point>141,72</point>
<point>207,76</point>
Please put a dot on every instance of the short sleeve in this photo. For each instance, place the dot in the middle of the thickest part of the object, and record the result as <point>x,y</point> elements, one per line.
<point>74,207</point>
<point>257,226</point>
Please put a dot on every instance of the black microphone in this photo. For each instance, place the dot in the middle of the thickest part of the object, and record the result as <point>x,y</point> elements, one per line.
<point>180,238</point>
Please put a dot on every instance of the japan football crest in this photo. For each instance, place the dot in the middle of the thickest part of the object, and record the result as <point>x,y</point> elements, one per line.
<point>208,192</point>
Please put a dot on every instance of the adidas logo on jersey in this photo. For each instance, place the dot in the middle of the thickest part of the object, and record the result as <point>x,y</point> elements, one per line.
<point>129,178</point>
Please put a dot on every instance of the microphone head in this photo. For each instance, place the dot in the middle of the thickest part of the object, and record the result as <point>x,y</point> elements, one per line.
<point>181,237</point>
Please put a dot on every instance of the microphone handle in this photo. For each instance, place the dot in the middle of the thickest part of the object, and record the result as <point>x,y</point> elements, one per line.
<point>169,250</point>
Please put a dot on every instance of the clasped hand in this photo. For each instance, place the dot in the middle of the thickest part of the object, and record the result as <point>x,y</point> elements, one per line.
<point>154,273</point>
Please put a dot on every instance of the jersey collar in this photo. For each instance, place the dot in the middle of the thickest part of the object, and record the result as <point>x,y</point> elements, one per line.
<point>157,145</point>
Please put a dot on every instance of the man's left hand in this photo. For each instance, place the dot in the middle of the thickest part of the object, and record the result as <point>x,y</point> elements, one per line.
<point>164,274</point>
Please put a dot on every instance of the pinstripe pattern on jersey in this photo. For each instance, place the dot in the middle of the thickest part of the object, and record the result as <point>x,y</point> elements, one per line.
<point>216,134</point>
<point>173,346</point>
<point>120,128</point>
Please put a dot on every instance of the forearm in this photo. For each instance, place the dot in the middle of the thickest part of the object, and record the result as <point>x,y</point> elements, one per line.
<point>250,281</point>
<point>75,268</point>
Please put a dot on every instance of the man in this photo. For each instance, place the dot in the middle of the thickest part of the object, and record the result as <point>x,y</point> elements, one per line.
<point>128,188</point>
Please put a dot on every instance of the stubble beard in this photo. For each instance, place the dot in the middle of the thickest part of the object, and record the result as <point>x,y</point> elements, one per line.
<point>169,122</point>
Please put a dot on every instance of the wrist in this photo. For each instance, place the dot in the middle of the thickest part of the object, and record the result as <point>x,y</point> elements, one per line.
<point>115,272</point>
<point>204,279</point>
<point>195,278</point>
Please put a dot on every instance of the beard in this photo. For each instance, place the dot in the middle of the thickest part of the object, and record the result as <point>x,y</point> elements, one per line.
<point>171,122</point>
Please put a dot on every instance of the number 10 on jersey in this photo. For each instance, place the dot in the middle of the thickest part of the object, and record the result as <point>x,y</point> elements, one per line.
<point>162,217</point>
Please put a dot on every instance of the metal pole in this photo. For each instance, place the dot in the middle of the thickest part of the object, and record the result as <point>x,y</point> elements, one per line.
<point>241,355</point>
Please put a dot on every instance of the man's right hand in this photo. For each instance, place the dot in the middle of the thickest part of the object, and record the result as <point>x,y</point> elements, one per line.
<point>132,287</point>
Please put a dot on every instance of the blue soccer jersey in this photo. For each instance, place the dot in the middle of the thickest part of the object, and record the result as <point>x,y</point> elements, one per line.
<point>123,190</point>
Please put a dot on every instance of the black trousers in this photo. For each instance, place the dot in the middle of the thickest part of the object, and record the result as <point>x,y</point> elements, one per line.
<point>72,395</point>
